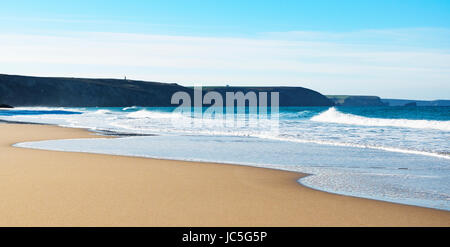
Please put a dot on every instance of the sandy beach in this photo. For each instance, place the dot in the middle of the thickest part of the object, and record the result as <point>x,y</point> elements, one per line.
<point>48,188</point>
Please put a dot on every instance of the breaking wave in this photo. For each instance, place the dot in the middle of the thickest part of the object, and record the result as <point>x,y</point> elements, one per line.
<point>334,116</point>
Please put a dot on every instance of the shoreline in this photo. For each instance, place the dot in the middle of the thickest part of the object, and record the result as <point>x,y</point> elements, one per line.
<point>302,175</point>
<point>301,181</point>
<point>233,195</point>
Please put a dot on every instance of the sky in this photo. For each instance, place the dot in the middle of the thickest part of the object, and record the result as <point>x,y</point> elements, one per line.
<point>393,49</point>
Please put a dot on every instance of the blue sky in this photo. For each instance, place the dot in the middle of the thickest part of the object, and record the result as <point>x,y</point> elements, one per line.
<point>388,48</point>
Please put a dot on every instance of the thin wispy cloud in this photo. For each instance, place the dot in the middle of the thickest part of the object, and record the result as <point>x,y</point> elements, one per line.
<point>328,62</point>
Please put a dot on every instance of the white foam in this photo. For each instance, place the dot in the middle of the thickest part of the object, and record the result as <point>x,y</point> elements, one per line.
<point>303,113</point>
<point>129,108</point>
<point>150,114</point>
<point>144,121</point>
<point>343,144</point>
<point>334,116</point>
<point>100,112</point>
<point>42,108</point>
<point>376,179</point>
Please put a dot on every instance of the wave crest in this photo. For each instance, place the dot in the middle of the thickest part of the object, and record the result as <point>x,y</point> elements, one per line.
<point>334,116</point>
<point>153,114</point>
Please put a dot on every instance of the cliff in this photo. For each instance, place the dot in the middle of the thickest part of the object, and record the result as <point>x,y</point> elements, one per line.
<point>349,100</point>
<point>289,96</point>
<point>81,92</point>
<point>403,102</point>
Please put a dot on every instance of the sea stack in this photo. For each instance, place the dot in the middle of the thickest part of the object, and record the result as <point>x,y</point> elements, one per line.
<point>5,106</point>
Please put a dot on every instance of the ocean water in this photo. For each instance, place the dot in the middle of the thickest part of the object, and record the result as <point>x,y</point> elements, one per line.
<point>397,154</point>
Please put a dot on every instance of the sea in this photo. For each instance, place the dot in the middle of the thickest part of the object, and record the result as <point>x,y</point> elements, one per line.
<point>396,154</point>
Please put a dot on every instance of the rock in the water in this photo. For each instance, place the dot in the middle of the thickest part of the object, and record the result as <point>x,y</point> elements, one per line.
<point>5,106</point>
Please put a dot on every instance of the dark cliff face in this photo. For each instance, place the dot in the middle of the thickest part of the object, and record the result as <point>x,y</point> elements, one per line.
<point>347,100</point>
<point>288,96</point>
<point>79,92</point>
<point>403,102</point>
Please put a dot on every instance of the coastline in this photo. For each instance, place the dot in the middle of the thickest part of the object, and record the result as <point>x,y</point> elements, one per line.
<point>50,188</point>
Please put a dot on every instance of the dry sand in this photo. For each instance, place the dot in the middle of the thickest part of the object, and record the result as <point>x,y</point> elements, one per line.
<point>48,188</point>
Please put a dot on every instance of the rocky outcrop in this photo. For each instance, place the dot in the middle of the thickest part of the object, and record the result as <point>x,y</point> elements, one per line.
<point>403,102</point>
<point>348,100</point>
<point>5,106</point>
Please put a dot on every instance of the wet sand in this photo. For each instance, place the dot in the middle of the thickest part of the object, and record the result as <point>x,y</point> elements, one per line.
<point>49,188</point>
